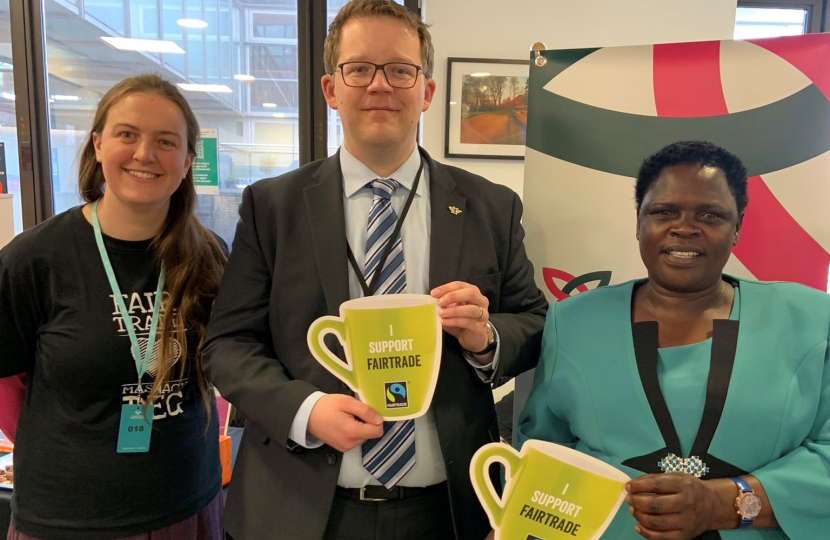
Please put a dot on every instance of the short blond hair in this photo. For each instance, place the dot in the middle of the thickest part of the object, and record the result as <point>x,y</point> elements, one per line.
<point>377,8</point>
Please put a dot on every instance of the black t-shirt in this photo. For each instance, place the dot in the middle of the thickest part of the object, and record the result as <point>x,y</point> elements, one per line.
<point>60,324</point>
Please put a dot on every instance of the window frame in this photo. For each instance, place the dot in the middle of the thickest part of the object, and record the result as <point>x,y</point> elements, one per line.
<point>816,10</point>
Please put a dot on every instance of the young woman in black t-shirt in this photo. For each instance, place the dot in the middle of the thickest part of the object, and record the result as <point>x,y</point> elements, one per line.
<point>118,432</point>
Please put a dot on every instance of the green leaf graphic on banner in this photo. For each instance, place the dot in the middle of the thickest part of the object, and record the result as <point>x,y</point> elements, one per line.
<point>603,276</point>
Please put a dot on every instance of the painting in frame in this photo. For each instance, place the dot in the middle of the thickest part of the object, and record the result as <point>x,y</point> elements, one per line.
<point>486,110</point>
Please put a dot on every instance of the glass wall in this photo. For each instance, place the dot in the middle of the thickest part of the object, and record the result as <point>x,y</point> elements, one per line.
<point>238,58</point>
<point>9,169</point>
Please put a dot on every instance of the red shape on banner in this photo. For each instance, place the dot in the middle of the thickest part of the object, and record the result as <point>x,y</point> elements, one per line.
<point>548,274</point>
<point>687,80</point>
<point>809,54</point>
<point>773,244</point>
<point>774,247</point>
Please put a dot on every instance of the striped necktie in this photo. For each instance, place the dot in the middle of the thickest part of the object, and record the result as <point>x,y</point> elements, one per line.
<point>389,458</point>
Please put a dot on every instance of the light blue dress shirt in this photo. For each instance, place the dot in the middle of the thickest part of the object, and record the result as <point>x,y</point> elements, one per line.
<point>415,232</point>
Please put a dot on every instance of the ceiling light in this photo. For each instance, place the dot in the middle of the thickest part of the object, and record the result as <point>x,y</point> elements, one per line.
<point>7,95</point>
<point>244,78</point>
<point>453,103</point>
<point>143,45</point>
<point>481,74</point>
<point>217,88</point>
<point>191,23</point>
<point>269,105</point>
<point>59,97</point>
<point>279,115</point>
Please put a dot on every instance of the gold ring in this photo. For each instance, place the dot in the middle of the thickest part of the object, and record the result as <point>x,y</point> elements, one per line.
<point>480,313</point>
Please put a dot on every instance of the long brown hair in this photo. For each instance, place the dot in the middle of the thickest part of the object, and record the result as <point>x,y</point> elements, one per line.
<point>192,257</point>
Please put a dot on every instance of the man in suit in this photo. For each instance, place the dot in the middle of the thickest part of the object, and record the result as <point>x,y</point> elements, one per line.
<point>306,242</point>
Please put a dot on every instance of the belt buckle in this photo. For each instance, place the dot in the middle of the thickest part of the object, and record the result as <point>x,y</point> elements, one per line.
<point>363,496</point>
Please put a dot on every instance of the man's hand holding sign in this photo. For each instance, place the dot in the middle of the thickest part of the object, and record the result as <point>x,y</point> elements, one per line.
<point>344,422</point>
<point>464,315</point>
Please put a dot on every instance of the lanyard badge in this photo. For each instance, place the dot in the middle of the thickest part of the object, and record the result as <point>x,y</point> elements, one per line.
<point>136,419</point>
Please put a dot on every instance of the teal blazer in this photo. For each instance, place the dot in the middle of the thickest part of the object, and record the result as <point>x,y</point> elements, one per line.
<point>596,390</point>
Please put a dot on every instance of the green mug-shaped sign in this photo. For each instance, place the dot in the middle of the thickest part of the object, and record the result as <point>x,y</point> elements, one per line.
<point>393,351</point>
<point>552,492</point>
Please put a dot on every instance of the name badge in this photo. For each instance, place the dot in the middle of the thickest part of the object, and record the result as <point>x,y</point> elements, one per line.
<point>135,430</point>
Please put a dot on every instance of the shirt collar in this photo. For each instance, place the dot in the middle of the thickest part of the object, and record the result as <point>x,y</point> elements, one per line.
<point>356,175</point>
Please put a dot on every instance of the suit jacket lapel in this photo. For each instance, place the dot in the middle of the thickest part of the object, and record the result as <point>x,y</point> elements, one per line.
<point>445,234</point>
<point>327,222</point>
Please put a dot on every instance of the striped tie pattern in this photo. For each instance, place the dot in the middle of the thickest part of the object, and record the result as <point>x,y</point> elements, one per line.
<point>390,457</point>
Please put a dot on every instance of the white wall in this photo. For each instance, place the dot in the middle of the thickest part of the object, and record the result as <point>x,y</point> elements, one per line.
<point>507,29</point>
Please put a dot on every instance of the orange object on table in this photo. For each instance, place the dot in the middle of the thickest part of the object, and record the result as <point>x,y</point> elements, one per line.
<point>225,458</point>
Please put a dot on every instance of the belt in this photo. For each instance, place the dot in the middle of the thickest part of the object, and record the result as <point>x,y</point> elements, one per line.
<point>396,493</point>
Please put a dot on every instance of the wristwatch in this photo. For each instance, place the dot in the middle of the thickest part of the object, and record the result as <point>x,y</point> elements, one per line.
<point>747,504</point>
<point>491,340</point>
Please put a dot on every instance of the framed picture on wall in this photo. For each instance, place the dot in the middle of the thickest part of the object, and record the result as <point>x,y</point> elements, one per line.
<point>486,112</point>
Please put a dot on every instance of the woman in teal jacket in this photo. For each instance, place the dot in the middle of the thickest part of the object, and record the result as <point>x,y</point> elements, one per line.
<point>712,392</point>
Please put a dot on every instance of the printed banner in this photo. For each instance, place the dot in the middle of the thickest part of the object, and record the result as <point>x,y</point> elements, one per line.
<point>206,164</point>
<point>551,492</point>
<point>595,114</point>
<point>393,351</point>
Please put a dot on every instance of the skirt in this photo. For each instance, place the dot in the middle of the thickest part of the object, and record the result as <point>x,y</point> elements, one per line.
<point>206,524</point>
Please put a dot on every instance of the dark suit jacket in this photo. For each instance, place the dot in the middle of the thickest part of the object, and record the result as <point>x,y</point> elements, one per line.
<point>287,268</point>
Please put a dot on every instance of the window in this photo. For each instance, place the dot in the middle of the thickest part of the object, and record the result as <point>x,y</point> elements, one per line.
<point>774,18</point>
<point>268,26</point>
<point>255,120</point>
<point>263,104</point>
<point>108,12</point>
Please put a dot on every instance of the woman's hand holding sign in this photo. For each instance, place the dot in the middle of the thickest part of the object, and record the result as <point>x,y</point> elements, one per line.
<point>671,506</point>
<point>464,315</point>
<point>679,506</point>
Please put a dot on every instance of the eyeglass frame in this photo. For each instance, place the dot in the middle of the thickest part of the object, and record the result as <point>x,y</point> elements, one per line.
<point>382,68</point>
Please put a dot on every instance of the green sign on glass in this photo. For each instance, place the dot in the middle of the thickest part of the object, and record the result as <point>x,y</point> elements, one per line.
<point>206,164</point>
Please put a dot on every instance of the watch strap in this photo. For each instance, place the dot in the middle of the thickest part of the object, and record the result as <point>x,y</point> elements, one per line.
<point>743,487</point>
<point>491,346</point>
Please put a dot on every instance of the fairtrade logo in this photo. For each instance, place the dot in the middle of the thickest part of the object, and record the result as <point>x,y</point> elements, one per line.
<point>603,278</point>
<point>396,395</point>
<point>531,537</point>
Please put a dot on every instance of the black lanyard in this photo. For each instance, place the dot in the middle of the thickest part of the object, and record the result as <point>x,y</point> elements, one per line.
<point>369,288</point>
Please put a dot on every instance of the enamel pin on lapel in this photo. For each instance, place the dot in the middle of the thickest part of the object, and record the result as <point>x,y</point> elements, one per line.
<point>454,210</point>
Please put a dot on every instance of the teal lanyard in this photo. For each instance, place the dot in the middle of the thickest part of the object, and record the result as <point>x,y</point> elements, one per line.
<point>141,363</point>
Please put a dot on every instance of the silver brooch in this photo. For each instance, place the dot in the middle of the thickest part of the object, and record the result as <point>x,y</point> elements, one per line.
<point>675,464</point>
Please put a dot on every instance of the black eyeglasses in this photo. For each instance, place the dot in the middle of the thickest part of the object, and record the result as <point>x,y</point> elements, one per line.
<point>398,74</point>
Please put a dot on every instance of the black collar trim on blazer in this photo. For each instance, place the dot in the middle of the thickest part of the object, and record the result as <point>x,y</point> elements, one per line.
<point>722,360</point>
<point>724,345</point>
